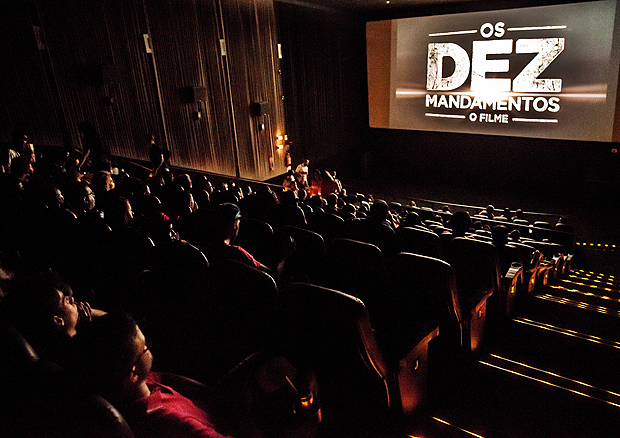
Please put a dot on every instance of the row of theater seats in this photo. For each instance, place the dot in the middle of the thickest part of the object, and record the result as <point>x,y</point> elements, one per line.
<point>433,301</point>
<point>372,327</point>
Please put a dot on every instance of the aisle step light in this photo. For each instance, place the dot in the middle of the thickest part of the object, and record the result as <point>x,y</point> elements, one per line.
<point>556,377</point>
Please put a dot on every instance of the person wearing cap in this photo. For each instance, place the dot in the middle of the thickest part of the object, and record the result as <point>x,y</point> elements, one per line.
<point>226,221</point>
<point>227,217</point>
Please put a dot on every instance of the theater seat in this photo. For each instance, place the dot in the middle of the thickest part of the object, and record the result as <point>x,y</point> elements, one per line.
<point>423,313</point>
<point>530,257</point>
<point>554,254</point>
<point>541,230</point>
<point>418,241</point>
<point>476,269</point>
<point>42,400</point>
<point>328,225</point>
<point>14,348</point>
<point>257,237</point>
<point>331,332</point>
<point>233,317</point>
<point>356,268</point>
<point>308,260</point>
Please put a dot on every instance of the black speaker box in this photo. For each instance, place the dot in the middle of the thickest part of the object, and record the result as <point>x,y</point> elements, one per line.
<point>260,108</point>
<point>193,94</point>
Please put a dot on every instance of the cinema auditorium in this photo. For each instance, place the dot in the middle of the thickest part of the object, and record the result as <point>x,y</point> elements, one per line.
<point>309,218</point>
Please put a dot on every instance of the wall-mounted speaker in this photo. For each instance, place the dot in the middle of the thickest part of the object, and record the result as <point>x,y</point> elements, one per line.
<point>193,94</point>
<point>98,74</point>
<point>260,108</point>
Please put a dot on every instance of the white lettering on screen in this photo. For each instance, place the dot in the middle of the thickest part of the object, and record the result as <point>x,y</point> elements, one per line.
<point>546,49</point>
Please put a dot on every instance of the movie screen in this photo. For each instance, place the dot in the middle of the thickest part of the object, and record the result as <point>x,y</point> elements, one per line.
<point>542,72</point>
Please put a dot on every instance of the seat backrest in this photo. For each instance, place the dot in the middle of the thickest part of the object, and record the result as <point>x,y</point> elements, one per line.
<point>15,350</point>
<point>310,254</point>
<point>356,268</point>
<point>232,283</point>
<point>175,277</point>
<point>548,249</point>
<point>234,316</point>
<point>284,214</point>
<point>331,331</point>
<point>422,295</point>
<point>476,267</point>
<point>257,237</point>
<point>328,225</point>
<point>418,241</point>
<point>541,230</point>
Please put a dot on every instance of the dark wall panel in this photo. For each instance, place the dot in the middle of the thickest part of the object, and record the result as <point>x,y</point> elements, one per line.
<point>186,49</point>
<point>103,72</point>
<point>92,64</point>
<point>324,77</point>
<point>253,65</point>
<point>28,100</point>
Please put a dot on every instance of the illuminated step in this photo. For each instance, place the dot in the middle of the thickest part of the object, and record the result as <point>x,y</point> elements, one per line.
<point>579,304</point>
<point>568,332</point>
<point>598,246</point>
<point>456,427</point>
<point>580,273</point>
<point>552,379</point>
<point>604,282</point>
<point>587,294</point>
<point>434,426</point>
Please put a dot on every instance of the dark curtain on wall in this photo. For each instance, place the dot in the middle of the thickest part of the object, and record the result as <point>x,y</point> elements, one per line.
<point>324,77</point>
<point>253,67</point>
<point>70,61</point>
<point>28,98</point>
<point>185,37</point>
<point>102,71</point>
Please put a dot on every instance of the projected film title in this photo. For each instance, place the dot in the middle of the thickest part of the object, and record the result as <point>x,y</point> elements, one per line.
<point>495,99</point>
<point>539,72</point>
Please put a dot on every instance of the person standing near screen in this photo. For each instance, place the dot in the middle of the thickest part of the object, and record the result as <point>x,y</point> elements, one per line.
<point>301,172</point>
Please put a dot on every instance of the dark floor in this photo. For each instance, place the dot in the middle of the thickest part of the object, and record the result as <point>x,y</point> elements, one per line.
<point>553,371</point>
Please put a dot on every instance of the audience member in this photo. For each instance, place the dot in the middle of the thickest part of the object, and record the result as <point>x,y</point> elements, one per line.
<point>102,185</point>
<point>159,157</point>
<point>114,357</point>
<point>12,151</point>
<point>301,173</point>
<point>226,220</point>
<point>95,154</point>
<point>289,182</point>
<point>460,223</point>
<point>41,306</point>
<point>411,220</point>
<point>328,184</point>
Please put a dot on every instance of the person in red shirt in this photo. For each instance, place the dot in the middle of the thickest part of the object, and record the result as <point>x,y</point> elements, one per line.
<point>113,357</point>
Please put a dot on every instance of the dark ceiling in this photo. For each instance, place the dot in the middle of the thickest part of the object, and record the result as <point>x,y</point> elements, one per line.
<point>388,8</point>
<point>382,6</point>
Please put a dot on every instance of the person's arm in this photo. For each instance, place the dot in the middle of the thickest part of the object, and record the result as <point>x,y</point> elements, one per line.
<point>156,170</point>
<point>87,312</point>
<point>84,159</point>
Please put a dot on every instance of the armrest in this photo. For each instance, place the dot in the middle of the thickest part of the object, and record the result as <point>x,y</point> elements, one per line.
<point>514,274</point>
